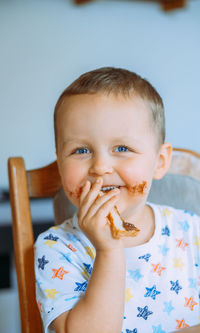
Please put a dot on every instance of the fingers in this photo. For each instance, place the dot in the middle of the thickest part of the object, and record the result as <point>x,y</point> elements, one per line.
<point>92,199</point>
<point>88,196</point>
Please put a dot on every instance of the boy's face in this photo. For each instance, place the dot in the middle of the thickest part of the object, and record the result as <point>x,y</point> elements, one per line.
<point>111,137</point>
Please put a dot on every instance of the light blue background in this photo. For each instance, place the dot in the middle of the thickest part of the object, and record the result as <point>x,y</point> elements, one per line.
<point>46,44</point>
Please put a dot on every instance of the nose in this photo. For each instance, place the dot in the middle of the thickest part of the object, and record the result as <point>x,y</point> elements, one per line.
<point>100,166</point>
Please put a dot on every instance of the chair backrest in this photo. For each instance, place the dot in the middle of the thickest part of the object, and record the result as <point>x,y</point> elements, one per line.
<point>45,182</point>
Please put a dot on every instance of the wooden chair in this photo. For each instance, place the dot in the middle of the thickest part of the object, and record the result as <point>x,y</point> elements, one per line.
<point>45,182</point>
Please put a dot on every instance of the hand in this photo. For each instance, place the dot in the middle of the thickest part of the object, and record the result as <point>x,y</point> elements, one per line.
<point>92,215</point>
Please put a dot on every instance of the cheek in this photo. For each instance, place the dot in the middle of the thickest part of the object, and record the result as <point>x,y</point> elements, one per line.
<point>136,176</point>
<point>72,177</point>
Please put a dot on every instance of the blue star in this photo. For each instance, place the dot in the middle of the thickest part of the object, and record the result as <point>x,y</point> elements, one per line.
<point>143,312</point>
<point>175,286</point>
<point>168,307</point>
<point>152,292</point>
<point>163,249</point>
<point>187,212</point>
<point>135,275</point>
<point>131,331</point>
<point>193,283</point>
<point>158,329</point>
<point>81,286</point>
<point>66,256</point>
<point>38,282</point>
<point>51,237</point>
<point>184,225</point>
<point>166,231</point>
<point>69,299</point>
<point>88,268</point>
<point>71,237</point>
<point>42,262</point>
<point>145,257</point>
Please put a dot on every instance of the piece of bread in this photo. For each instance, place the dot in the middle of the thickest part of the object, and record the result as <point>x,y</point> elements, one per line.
<point>120,228</point>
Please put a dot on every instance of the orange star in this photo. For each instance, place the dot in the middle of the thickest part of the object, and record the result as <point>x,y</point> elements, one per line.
<point>190,303</point>
<point>181,324</point>
<point>71,248</point>
<point>157,268</point>
<point>59,273</point>
<point>181,244</point>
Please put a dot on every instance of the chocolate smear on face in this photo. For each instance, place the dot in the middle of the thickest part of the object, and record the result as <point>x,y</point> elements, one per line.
<point>138,189</point>
<point>129,226</point>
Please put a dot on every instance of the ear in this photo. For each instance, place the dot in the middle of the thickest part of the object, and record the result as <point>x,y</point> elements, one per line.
<point>163,160</point>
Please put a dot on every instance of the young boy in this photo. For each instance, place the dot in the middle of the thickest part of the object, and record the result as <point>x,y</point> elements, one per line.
<point>109,130</point>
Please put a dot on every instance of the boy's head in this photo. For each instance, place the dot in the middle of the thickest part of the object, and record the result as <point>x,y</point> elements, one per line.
<point>110,124</point>
<point>117,81</point>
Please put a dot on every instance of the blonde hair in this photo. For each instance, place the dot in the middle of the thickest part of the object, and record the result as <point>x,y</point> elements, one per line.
<point>118,81</point>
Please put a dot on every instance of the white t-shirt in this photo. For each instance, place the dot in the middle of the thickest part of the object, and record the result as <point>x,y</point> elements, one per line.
<point>162,275</point>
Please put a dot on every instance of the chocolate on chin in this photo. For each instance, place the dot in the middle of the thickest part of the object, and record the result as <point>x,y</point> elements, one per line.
<point>120,228</point>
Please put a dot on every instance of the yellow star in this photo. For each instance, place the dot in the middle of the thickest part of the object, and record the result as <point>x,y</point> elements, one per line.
<point>197,242</point>
<point>90,251</point>
<point>50,242</point>
<point>50,293</point>
<point>54,228</point>
<point>166,211</point>
<point>85,274</point>
<point>128,295</point>
<point>178,263</point>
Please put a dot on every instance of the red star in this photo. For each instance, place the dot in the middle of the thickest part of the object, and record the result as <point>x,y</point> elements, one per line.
<point>59,273</point>
<point>181,324</point>
<point>181,244</point>
<point>190,302</point>
<point>158,268</point>
<point>72,248</point>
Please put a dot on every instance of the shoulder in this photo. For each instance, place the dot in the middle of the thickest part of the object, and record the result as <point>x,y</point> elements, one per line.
<point>64,238</point>
<point>179,219</point>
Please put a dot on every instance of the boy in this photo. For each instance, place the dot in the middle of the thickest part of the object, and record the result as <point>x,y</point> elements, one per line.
<point>109,130</point>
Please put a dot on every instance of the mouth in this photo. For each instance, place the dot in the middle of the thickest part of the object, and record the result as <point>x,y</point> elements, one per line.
<point>109,188</point>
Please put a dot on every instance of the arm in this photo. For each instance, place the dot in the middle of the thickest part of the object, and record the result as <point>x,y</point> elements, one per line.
<point>101,309</point>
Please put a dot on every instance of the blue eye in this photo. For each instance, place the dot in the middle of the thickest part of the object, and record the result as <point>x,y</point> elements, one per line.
<point>82,151</point>
<point>121,149</point>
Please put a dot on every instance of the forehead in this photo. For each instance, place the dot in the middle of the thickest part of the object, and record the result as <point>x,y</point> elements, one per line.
<point>89,113</point>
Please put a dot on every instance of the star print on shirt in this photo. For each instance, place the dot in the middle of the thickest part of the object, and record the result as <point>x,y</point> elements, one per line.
<point>59,273</point>
<point>175,286</point>
<point>163,249</point>
<point>131,331</point>
<point>145,257</point>
<point>178,263</point>
<point>165,231</point>
<point>135,275</point>
<point>152,292</point>
<point>189,302</point>
<point>181,244</point>
<point>187,212</point>
<point>81,286</point>
<point>50,293</point>
<point>51,237</point>
<point>193,283</point>
<point>197,242</point>
<point>42,262</point>
<point>90,251</point>
<point>157,268</point>
<point>87,270</point>
<point>184,225</point>
<point>168,307</point>
<point>144,312</point>
<point>66,256</point>
<point>128,295</point>
<point>158,329</point>
<point>72,238</point>
<point>166,212</point>
<point>181,324</point>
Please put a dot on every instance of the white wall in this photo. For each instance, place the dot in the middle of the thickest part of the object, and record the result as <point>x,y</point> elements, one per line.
<point>44,45</point>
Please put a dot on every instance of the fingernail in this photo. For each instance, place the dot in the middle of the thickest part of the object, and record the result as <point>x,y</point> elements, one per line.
<point>98,180</point>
